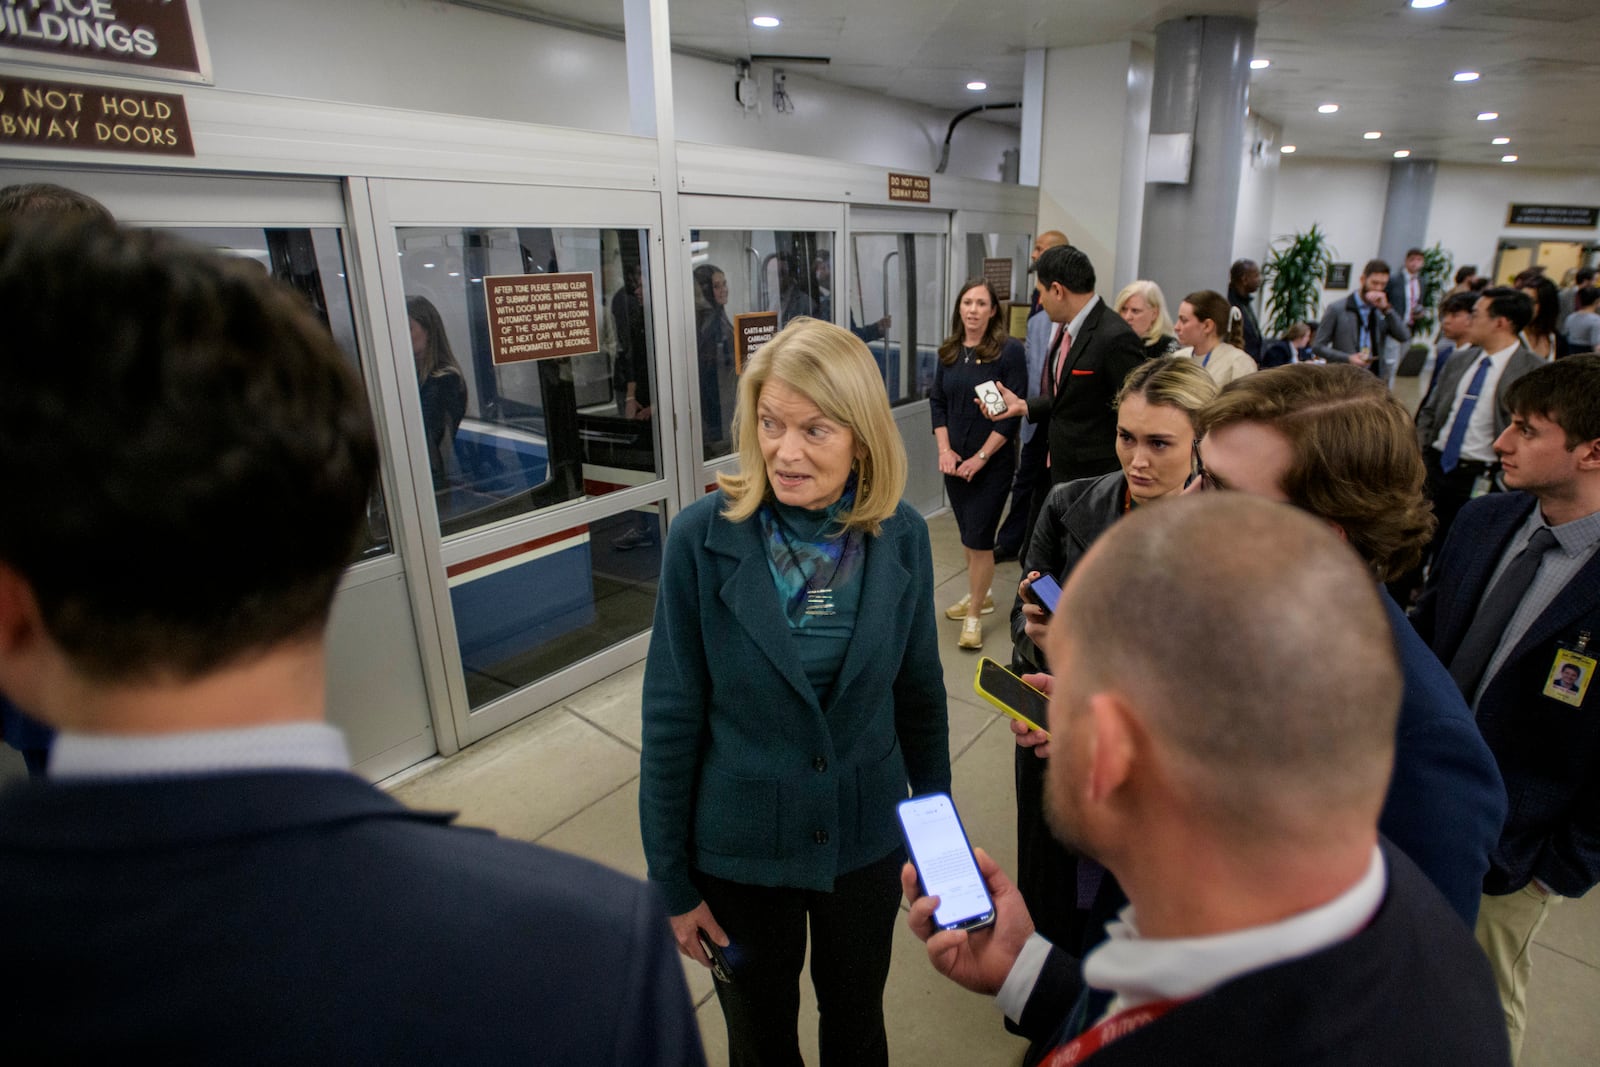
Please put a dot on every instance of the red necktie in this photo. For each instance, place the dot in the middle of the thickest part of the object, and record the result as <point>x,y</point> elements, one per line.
<point>1063,346</point>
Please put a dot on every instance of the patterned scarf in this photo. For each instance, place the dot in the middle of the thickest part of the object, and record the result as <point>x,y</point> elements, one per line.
<point>799,564</point>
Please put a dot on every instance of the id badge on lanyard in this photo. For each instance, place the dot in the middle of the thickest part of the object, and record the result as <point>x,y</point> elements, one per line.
<point>1571,672</point>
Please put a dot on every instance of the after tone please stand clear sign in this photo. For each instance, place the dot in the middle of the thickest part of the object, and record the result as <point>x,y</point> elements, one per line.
<point>540,316</point>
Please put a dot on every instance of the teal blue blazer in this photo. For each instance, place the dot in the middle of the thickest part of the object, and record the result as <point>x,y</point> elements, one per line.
<point>744,775</point>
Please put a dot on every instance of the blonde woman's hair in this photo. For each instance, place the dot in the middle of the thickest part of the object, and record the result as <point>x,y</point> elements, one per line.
<point>1171,382</point>
<point>832,368</point>
<point>1162,326</point>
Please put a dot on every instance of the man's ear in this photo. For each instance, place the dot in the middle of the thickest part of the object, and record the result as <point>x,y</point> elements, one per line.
<point>1588,455</point>
<point>20,621</point>
<point>1113,744</point>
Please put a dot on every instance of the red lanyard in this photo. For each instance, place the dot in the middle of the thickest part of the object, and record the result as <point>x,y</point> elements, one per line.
<point>1102,1034</point>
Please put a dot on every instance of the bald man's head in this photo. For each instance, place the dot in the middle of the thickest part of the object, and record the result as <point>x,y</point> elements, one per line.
<point>1249,644</point>
<point>1048,239</point>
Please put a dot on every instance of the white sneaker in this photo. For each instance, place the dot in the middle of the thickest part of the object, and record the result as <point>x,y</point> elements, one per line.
<point>958,611</point>
<point>971,634</point>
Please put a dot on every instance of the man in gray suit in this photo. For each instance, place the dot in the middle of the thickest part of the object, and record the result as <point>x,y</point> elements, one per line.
<point>1458,425</point>
<point>1353,330</point>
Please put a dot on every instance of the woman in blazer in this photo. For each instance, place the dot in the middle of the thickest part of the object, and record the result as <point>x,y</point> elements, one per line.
<point>792,693</point>
<point>1143,306</point>
<point>1212,331</point>
<point>1155,435</point>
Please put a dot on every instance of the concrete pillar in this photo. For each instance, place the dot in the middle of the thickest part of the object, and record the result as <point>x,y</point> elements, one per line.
<point>1406,208</point>
<point>1201,90</point>
<point>1032,115</point>
<point>1090,114</point>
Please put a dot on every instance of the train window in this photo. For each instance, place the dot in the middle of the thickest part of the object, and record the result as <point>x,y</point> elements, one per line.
<point>737,271</point>
<point>311,261</point>
<point>509,439</point>
<point>526,612</point>
<point>986,248</point>
<point>900,289</point>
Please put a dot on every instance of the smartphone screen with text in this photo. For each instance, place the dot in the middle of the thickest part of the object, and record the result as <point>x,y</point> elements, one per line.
<point>944,861</point>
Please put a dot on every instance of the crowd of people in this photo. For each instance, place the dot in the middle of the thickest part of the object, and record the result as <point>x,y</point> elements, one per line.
<point>1277,813</point>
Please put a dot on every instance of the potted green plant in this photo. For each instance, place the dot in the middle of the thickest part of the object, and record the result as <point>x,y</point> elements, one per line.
<point>1295,267</point>
<point>1436,267</point>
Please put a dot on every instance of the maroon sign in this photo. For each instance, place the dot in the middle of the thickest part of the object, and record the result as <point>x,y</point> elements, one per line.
<point>540,316</point>
<point>750,331</point>
<point>160,37</point>
<point>911,187</point>
<point>92,117</point>
<point>997,272</point>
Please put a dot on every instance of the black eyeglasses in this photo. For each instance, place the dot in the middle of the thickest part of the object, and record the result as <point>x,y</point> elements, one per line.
<point>1198,470</point>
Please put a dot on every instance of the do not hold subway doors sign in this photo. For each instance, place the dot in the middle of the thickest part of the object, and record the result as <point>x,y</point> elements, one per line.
<point>540,316</point>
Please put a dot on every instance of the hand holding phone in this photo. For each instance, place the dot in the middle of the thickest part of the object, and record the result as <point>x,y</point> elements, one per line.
<point>1012,695</point>
<point>1045,591</point>
<point>946,867</point>
<point>989,396</point>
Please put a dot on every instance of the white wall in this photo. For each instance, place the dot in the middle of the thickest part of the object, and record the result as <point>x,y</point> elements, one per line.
<point>1258,186</point>
<point>1345,198</point>
<point>1082,155</point>
<point>1467,218</point>
<point>1470,204</point>
<point>424,55</point>
<point>1135,154</point>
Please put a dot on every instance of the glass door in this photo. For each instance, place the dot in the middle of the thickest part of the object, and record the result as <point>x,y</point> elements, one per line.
<point>747,257</point>
<point>898,264</point>
<point>297,231</point>
<point>523,332</point>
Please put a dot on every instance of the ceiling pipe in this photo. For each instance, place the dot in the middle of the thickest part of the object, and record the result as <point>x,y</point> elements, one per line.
<point>944,153</point>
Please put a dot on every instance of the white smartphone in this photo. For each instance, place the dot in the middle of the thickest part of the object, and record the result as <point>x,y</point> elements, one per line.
<point>945,865</point>
<point>989,396</point>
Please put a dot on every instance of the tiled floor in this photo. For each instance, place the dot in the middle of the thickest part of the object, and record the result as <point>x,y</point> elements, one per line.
<point>568,778</point>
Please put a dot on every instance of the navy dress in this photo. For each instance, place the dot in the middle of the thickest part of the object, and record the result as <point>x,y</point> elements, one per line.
<point>952,402</point>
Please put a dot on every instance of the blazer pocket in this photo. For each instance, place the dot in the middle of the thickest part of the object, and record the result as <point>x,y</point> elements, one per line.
<point>735,816</point>
<point>879,787</point>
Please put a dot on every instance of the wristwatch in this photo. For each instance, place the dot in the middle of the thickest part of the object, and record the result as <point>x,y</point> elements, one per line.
<point>983,455</point>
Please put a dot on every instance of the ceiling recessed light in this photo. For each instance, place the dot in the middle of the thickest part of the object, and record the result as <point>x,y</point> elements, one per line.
<point>429,266</point>
<point>1260,64</point>
<point>1508,159</point>
<point>1287,149</point>
<point>1488,116</point>
<point>1372,135</point>
<point>1425,4</point>
<point>1402,153</point>
<point>1466,75</point>
<point>1501,140</point>
<point>766,22</point>
<point>977,87</point>
<point>1328,109</point>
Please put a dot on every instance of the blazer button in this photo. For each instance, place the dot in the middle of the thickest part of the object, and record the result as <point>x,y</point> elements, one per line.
<point>821,837</point>
<point>820,763</point>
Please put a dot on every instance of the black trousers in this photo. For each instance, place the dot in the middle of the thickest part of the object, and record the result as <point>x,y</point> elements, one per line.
<point>852,933</point>
<point>1017,529</point>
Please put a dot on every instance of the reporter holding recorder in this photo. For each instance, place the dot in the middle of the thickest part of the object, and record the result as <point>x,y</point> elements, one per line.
<point>776,743</point>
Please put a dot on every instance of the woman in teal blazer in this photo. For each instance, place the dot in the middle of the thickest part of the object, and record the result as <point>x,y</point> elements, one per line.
<point>792,695</point>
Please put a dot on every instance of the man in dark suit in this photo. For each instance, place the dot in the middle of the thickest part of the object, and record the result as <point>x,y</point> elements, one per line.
<point>201,879</point>
<point>1232,783</point>
<point>1091,353</point>
<point>1458,426</point>
<point>1244,281</point>
<point>1353,330</point>
<point>1513,602</point>
<point>1032,447</point>
<point>1405,289</point>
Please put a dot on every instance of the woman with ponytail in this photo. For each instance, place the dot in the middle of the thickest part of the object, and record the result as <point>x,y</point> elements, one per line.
<point>1213,332</point>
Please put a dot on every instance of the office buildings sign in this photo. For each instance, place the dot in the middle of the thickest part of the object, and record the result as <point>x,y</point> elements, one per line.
<point>157,38</point>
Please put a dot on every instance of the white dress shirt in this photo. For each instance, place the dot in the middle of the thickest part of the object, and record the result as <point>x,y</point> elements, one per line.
<point>1478,444</point>
<point>1140,970</point>
<point>287,746</point>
